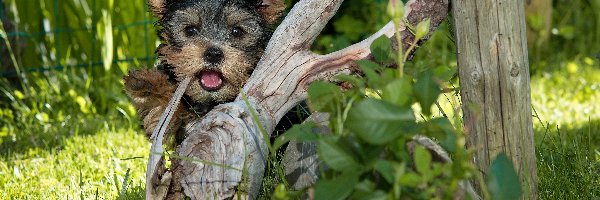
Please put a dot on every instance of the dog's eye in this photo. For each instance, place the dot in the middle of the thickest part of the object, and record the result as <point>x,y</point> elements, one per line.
<point>237,32</point>
<point>191,31</point>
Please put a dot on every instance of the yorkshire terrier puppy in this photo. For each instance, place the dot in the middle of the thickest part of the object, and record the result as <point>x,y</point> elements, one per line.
<point>217,42</point>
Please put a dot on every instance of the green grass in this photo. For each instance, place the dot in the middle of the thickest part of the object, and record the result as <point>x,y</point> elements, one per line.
<point>569,162</point>
<point>63,138</point>
<point>568,130</point>
<point>84,166</point>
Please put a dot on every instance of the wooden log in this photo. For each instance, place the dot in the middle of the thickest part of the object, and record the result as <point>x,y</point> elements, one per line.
<point>225,153</point>
<point>494,79</point>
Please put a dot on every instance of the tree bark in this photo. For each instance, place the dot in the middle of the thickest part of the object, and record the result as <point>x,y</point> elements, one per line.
<point>494,74</point>
<point>224,155</point>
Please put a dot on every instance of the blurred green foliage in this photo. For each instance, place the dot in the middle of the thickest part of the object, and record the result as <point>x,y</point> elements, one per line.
<point>575,31</point>
<point>58,34</point>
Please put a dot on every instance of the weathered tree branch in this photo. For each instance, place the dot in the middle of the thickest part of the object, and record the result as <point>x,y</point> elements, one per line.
<point>225,153</point>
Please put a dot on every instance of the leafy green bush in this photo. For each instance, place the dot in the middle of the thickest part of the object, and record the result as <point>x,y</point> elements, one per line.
<point>365,156</point>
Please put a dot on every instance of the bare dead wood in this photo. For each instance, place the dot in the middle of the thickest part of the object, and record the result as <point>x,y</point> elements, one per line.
<point>224,154</point>
<point>495,90</point>
<point>157,150</point>
<point>300,160</point>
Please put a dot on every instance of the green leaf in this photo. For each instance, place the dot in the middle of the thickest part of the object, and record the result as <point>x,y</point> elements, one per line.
<point>442,129</point>
<point>339,188</point>
<point>363,190</point>
<point>108,43</point>
<point>378,122</point>
<point>503,182</point>
<point>381,49</point>
<point>369,68</point>
<point>335,156</point>
<point>439,128</point>
<point>389,75</point>
<point>386,169</point>
<point>426,91</point>
<point>324,97</point>
<point>445,73</point>
<point>367,190</point>
<point>410,179</point>
<point>355,81</point>
<point>300,133</point>
<point>422,161</point>
<point>398,92</point>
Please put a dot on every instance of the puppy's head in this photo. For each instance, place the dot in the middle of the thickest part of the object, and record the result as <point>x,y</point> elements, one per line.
<point>218,42</point>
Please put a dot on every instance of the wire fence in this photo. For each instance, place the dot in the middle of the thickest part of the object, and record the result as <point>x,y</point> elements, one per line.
<point>73,34</point>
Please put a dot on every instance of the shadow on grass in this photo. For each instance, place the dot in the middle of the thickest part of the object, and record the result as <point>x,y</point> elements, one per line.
<point>568,162</point>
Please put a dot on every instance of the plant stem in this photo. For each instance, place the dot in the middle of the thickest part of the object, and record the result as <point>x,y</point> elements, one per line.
<point>412,47</point>
<point>400,48</point>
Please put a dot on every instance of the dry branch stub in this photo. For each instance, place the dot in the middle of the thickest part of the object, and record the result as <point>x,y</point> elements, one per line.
<point>157,179</point>
<point>221,157</point>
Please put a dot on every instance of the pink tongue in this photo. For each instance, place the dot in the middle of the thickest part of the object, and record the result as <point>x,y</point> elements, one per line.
<point>211,79</point>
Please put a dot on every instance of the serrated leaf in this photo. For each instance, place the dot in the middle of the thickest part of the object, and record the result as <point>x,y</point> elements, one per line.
<point>381,49</point>
<point>422,161</point>
<point>398,92</point>
<point>324,97</point>
<point>426,91</point>
<point>335,156</point>
<point>339,188</point>
<point>378,122</point>
<point>503,182</point>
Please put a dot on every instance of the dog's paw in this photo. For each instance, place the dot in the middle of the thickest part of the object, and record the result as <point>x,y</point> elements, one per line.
<point>150,92</point>
<point>148,83</point>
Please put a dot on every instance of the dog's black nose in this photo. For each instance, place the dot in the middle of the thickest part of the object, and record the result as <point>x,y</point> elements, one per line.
<point>213,55</point>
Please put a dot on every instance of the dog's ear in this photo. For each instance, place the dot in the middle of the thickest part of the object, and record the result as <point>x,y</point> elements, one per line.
<point>158,7</point>
<point>271,10</point>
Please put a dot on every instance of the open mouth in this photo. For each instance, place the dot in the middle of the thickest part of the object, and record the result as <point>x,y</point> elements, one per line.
<point>211,80</point>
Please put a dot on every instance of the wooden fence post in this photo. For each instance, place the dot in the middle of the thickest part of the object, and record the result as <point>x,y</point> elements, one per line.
<point>494,77</point>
